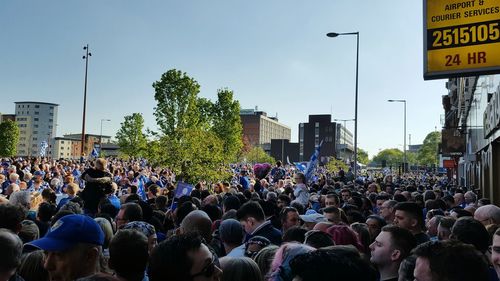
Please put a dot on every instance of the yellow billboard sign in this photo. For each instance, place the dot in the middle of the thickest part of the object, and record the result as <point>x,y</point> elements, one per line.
<point>461,38</point>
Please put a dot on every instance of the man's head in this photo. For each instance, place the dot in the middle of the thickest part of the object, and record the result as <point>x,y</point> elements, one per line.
<point>183,258</point>
<point>128,254</point>
<point>375,224</point>
<point>332,200</point>
<point>458,198</point>
<point>449,260</point>
<point>11,217</point>
<point>72,247</point>
<point>488,214</point>
<point>100,164</point>
<point>409,215</point>
<point>495,252</point>
<point>346,194</point>
<point>386,210</point>
<point>432,225</point>
<point>299,178</point>
<point>250,215</point>
<point>11,249</point>
<point>128,212</point>
<point>289,218</point>
<point>197,222</point>
<point>231,232</point>
<point>391,246</point>
<point>470,231</point>
<point>332,214</point>
<point>470,197</point>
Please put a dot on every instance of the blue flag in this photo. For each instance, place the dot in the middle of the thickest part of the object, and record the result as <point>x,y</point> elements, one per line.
<point>183,189</point>
<point>94,153</point>
<point>313,162</point>
<point>301,166</point>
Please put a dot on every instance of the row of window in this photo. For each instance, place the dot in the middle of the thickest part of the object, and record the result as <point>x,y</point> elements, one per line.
<point>28,106</point>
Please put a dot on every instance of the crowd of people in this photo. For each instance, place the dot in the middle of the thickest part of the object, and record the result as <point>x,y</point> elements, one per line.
<point>115,219</point>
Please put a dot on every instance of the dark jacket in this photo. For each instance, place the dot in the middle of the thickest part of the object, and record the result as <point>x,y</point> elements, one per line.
<point>268,231</point>
<point>97,183</point>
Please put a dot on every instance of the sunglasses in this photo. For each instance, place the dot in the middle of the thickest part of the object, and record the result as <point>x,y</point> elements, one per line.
<point>209,269</point>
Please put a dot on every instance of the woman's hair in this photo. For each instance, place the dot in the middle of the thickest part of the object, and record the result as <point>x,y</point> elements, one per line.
<point>363,235</point>
<point>240,269</point>
<point>21,198</point>
<point>406,268</point>
<point>280,267</point>
<point>264,258</point>
<point>107,228</point>
<point>31,268</point>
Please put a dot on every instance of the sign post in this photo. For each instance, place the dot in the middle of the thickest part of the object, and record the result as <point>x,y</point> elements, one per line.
<point>461,38</point>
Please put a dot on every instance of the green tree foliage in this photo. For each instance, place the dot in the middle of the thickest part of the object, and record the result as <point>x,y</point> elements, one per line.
<point>227,123</point>
<point>130,136</point>
<point>197,156</point>
<point>363,156</point>
<point>257,155</point>
<point>392,156</point>
<point>428,153</point>
<point>176,96</point>
<point>197,137</point>
<point>9,138</point>
<point>334,165</point>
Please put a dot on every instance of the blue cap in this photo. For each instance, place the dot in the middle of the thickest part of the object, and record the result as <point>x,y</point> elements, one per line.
<point>69,231</point>
<point>39,173</point>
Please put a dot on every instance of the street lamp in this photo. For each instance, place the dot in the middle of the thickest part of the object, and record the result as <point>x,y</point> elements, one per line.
<point>100,138</point>
<point>404,137</point>
<point>345,128</point>
<point>86,58</point>
<point>334,34</point>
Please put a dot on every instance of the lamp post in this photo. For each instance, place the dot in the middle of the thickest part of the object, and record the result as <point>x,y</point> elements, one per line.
<point>100,137</point>
<point>86,58</point>
<point>334,34</point>
<point>345,128</point>
<point>404,142</point>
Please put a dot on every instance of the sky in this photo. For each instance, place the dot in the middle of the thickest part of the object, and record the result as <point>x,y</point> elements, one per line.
<point>273,54</point>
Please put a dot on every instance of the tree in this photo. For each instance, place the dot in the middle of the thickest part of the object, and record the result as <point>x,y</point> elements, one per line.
<point>176,96</point>
<point>363,156</point>
<point>334,165</point>
<point>9,138</point>
<point>130,136</point>
<point>257,155</point>
<point>428,153</point>
<point>197,156</point>
<point>392,157</point>
<point>227,123</point>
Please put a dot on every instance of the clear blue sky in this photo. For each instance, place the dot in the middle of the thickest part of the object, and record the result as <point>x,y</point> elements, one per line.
<point>272,54</point>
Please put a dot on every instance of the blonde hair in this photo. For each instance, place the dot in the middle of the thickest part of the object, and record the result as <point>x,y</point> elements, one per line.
<point>100,164</point>
<point>36,200</point>
<point>72,189</point>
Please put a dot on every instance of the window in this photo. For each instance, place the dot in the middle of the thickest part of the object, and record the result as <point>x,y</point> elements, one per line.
<point>51,120</point>
<point>37,106</point>
<point>35,145</point>
<point>23,105</point>
<point>28,106</point>
<point>35,132</point>
<point>51,114</point>
<point>36,112</point>
<point>35,119</point>
<point>35,126</point>
<point>51,107</point>
<point>35,138</point>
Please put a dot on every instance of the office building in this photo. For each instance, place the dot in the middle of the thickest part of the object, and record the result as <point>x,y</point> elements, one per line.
<point>259,129</point>
<point>37,126</point>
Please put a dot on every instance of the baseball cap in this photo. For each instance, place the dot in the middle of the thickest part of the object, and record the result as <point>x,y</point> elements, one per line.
<point>312,216</point>
<point>69,231</point>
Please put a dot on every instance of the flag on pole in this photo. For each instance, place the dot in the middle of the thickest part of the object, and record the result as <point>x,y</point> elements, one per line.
<point>94,153</point>
<point>183,189</point>
<point>43,148</point>
<point>313,162</point>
